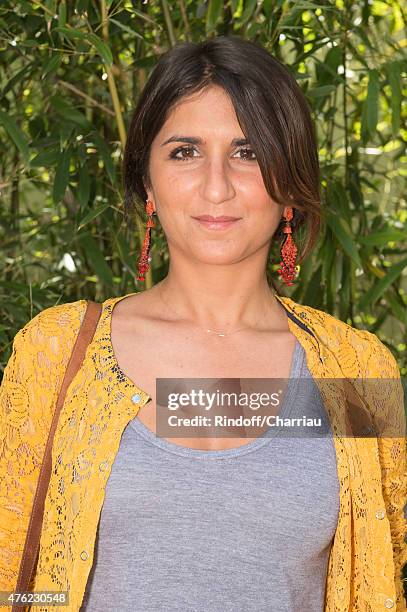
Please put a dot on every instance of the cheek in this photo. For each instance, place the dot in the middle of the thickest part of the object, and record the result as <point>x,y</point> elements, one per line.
<point>266,214</point>
<point>259,204</point>
<point>171,190</point>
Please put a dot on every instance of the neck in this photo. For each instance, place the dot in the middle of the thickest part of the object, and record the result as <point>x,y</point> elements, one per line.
<point>223,302</point>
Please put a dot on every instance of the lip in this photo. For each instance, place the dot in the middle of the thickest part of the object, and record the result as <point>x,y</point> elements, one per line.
<point>216,223</point>
<point>217,219</point>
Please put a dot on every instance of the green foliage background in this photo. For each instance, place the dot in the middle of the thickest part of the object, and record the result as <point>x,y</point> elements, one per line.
<point>71,72</point>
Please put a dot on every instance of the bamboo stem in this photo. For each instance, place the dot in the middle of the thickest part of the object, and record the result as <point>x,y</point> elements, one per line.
<point>119,117</point>
<point>170,28</point>
<point>85,96</point>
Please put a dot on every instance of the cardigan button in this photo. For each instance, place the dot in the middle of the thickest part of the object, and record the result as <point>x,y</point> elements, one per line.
<point>103,466</point>
<point>136,398</point>
<point>389,603</point>
<point>84,555</point>
<point>380,514</point>
<point>303,315</point>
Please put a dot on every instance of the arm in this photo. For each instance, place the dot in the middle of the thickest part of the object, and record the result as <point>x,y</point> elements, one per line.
<point>390,418</point>
<point>30,387</point>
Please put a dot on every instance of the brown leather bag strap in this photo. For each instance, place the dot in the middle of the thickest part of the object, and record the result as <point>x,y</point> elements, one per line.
<point>32,541</point>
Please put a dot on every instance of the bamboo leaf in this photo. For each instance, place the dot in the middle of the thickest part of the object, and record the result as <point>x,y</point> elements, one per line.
<point>249,9</point>
<point>17,77</point>
<point>106,156</point>
<point>267,7</point>
<point>344,236</point>
<point>125,28</point>
<point>313,287</point>
<point>394,77</point>
<point>328,255</point>
<point>92,214</point>
<point>70,33</point>
<point>123,249</point>
<point>381,286</point>
<point>16,135</point>
<point>61,175</point>
<point>398,310</point>
<point>215,9</point>
<point>102,48</point>
<point>372,102</point>
<point>383,237</point>
<point>46,159</point>
<point>96,259</point>
<point>157,25</point>
<point>53,64</point>
<point>68,113</point>
<point>62,13</point>
<point>319,92</point>
<point>83,190</point>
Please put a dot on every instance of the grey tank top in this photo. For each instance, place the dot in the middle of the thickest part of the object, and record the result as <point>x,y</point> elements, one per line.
<point>244,529</point>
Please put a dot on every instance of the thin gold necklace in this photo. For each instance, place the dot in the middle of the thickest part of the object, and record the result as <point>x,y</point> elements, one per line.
<point>211,331</point>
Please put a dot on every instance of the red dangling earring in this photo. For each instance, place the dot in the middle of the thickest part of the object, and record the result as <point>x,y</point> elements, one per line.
<point>289,250</point>
<point>144,260</point>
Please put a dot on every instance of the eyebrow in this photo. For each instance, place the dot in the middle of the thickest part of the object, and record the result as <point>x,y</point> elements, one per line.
<point>236,142</point>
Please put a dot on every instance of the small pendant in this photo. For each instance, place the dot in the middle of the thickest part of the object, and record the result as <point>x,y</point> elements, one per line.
<point>210,331</point>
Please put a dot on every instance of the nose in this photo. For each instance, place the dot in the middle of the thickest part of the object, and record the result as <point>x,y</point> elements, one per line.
<point>217,182</point>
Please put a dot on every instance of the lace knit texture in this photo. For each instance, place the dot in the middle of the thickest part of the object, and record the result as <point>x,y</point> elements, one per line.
<point>368,552</point>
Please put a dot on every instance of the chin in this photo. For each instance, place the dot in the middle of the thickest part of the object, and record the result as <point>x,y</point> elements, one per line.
<point>215,258</point>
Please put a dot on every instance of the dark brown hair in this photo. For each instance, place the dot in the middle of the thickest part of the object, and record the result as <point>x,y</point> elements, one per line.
<point>271,109</point>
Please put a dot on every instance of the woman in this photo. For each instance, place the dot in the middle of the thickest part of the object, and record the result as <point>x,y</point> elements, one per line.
<point>134,520</point>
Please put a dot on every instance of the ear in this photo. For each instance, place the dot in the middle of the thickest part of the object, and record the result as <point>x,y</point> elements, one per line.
<point>150,198</point>
<point>148,188</point>
<point>288,212</point>
<point>150,194</point>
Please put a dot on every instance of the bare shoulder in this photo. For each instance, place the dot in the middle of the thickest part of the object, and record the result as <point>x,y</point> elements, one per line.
<point>150,307</point>
<point>145,305</point>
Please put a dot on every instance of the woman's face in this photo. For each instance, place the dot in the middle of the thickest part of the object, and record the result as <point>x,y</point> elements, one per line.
<point>211,174</point>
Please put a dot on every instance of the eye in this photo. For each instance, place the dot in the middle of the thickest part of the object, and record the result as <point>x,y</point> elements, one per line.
<point>247,150</point>
<point>174,154</point>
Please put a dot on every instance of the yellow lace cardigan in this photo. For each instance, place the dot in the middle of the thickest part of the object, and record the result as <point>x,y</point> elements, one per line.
<point>368,551</point>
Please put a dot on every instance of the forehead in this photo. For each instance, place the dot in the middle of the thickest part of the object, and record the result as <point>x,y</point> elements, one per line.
<point>206,112</point>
